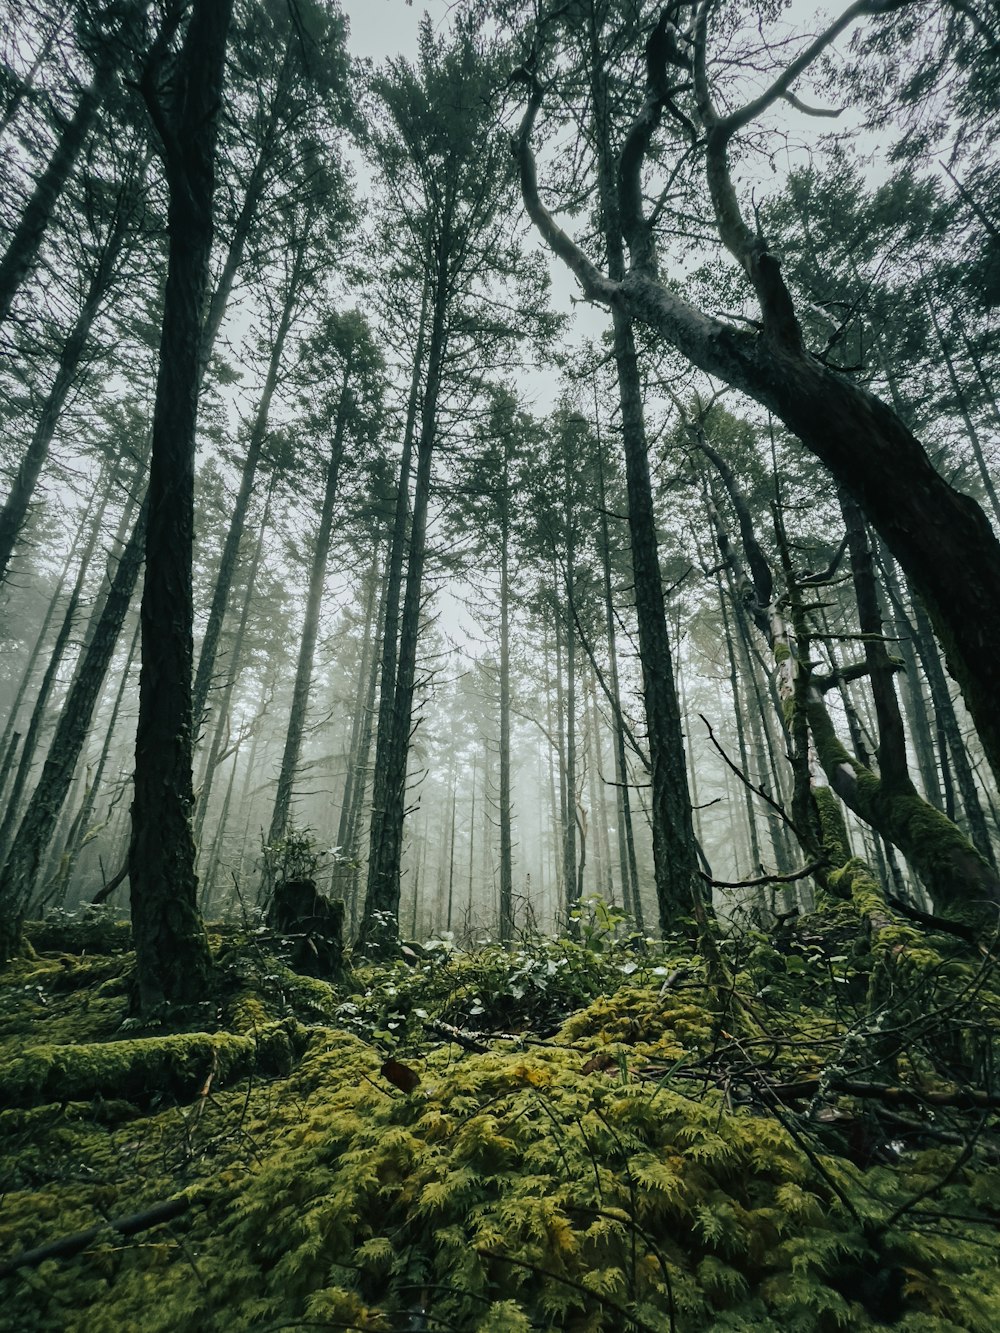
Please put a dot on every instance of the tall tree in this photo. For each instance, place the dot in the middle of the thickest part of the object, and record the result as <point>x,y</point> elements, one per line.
<point>173,961</point>
<point>448,170</point>
<point>931,528</point>
<point>348,372</point>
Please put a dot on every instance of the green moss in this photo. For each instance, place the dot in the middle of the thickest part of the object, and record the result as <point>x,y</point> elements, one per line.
<point>141,1069</point>
<point>833,830</point>
<point>595,1182</point>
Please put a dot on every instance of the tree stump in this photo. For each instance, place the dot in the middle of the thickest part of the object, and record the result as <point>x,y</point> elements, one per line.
<point>313,925</point>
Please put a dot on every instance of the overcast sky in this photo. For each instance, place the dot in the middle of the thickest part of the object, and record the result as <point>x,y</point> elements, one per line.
<point>381,28</point>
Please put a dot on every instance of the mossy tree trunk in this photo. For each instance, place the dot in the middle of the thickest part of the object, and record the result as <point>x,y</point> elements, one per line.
<point>173,962</point>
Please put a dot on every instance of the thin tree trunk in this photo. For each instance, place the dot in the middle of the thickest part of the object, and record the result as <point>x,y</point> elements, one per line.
<point>81,825</point>
<point>15,509</point>
<point>386,843</point>
<point>570,870</point>
<point>22,250</point>
<point>628,870</point>
<point>505,812</point>
<point>39,712</point>
<point>47,800</point>
<point>963,407</point>
<point>231,548</point>
<point>740,710</point>
<point>235,662</point>
<point>36,651</point>
<point>310,630</point>
<point>354,774</point>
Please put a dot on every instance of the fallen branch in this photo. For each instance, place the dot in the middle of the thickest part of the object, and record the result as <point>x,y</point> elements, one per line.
<point>68,1246</point>
<point>968,1099</point>
<point>452,1033</point>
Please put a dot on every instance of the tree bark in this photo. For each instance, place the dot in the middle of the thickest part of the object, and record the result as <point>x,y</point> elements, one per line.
<point>379,924</point>
<point>173,961</point>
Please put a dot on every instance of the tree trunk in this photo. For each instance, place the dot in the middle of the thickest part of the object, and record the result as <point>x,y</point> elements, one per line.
<point>36,651</point>
<point>43,810</point>
<point>231,548</point>
<point>81,824</point>
<point>505,814</point>
<point>354,774</point>
<point>571,885</point>
<point>310,630</point>
<point>15,508</point>
<point>173,961</point>
<point>233,671</point>
<point>628,871</point>
<point>675,858</point>
<point>390,637</point>
<point>379,924</point>
<point>26,241</point>
<point>39,712</point>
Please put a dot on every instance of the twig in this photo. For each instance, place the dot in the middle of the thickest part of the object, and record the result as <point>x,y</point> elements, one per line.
<point>68,1246</point>
<point>760,791</point>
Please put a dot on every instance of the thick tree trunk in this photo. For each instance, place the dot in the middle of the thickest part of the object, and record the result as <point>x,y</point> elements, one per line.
<point>173,961</point>
<point>310,630</point>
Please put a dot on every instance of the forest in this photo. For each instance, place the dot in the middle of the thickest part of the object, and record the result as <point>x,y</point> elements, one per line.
<point>500,594</point>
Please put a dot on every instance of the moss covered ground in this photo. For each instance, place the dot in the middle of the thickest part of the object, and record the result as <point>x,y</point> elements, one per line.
<point>577,1134</point>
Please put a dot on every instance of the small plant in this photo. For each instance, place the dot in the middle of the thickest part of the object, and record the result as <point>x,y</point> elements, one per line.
<point>295,856</point>
<point>596,923</point>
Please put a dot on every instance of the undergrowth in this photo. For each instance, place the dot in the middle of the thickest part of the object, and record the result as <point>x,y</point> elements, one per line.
<point>578,1134</point>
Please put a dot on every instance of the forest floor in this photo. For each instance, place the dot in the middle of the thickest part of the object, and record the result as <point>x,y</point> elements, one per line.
<point>583,1134</point>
